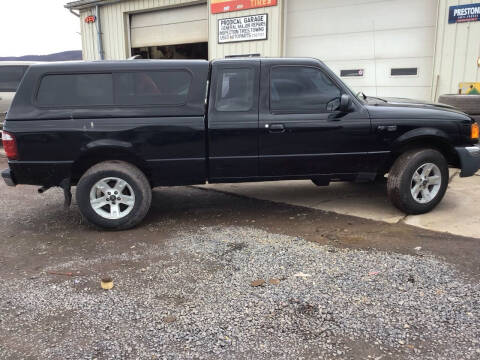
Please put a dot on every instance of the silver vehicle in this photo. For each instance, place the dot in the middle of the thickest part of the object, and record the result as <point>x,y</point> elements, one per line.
<point>11,73</point>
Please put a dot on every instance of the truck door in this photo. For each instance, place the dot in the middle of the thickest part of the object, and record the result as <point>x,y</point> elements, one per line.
<point>302,133</point>
<point>233,120</point>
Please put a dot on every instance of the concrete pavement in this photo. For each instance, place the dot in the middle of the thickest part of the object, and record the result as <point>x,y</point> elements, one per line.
<point>457,214</point>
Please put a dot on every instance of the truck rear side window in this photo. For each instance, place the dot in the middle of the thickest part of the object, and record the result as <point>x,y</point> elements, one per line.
<point>301,89</point>
<point>235,90</point>
<point>152,87</point>
<point>10,77</point>
<point>75,90</point>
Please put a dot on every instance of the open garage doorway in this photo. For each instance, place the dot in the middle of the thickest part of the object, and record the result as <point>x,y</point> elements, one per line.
<point>183,51</point>
<point>172,33</point>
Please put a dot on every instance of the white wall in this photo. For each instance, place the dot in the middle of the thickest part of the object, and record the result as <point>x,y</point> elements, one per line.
<point>457,51</point>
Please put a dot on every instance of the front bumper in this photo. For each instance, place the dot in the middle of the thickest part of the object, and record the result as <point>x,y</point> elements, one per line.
<point>8,177</point>
<point>469,160</point>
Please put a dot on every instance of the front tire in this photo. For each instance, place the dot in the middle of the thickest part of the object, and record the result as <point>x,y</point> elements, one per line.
<point>114,195</point>
<point>418,181</point>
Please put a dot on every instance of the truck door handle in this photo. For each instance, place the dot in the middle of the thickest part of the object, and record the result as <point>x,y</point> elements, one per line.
<point>389,128</point>
<point>275,128</point>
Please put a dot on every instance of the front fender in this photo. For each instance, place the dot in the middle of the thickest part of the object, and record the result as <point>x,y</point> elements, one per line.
<point>429,135</point>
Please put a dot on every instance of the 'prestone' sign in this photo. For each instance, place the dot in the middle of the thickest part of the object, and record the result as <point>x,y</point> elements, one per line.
<point>245,28</point>
<point>464,13</point>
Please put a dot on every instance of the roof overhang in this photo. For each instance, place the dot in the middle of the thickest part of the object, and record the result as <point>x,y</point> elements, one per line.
<point>84,4</point>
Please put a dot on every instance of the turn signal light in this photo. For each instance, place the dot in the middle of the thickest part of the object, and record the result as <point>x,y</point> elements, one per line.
<point>474,131</point>
<point>10,145</point>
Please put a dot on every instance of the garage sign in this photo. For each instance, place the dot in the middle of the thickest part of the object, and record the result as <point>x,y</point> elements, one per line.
<point>223,6</point>
<point>245,28</point>
<point>464,13</point>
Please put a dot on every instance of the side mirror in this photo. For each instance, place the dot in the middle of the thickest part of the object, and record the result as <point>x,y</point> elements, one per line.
<point>345,103</point>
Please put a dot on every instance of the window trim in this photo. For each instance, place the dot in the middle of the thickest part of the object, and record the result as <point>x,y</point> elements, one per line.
<point>35,103</point>
<point>221,70</point>
<point>285,112</point>
<point>25,68</point>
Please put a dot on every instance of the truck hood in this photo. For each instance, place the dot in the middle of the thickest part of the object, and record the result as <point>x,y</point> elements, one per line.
<point>394,100</point>
<point>412,109</point>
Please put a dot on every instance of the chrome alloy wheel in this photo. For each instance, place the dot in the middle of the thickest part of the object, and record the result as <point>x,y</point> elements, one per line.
<point>426,183</point>
<point>112,198</point>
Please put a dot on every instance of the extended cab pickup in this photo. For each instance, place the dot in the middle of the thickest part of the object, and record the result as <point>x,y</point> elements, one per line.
<point>117,129</point>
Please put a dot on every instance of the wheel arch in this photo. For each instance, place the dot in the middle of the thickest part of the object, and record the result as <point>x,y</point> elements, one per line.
<point>106,152</point>
<point>425,138</point>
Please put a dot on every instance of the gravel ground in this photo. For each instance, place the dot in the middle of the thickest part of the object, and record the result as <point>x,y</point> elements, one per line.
<point>194,299</point>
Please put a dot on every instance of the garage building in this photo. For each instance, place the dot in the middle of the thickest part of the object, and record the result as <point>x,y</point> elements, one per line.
<point>393,48</point>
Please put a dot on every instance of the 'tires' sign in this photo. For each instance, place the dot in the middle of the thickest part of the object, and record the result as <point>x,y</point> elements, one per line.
<point>90,19</point>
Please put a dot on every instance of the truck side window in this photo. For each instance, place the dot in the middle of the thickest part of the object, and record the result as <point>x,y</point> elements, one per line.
<point>10,77</point>
<point>235,90</point>
<point>75,90</point>
<point>302,89</point>
<point>152,87</point>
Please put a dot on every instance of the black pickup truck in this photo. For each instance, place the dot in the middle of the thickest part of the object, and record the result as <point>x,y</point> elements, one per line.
<point>117,129</point>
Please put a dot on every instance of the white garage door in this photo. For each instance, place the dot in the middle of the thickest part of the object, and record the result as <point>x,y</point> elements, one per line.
<point>371,36</point>
<point>184,25</point>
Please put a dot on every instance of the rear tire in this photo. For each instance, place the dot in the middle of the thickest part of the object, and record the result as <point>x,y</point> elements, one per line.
<point>418,181</point>
<point>114,195</point>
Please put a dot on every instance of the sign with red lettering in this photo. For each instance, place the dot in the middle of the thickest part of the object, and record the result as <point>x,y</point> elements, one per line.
<point>90,19</point>
<point>223,6</point>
